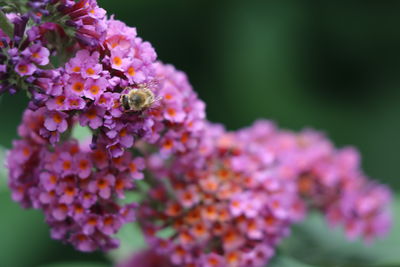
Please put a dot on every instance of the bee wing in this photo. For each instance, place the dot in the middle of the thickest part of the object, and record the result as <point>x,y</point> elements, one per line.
<point>158,98</point>
<point>154,83</point>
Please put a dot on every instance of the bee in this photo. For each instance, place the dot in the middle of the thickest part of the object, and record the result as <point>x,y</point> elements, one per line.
<point>138,99</point>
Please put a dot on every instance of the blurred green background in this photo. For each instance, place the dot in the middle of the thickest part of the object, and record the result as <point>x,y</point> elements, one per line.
<point>330,65</point>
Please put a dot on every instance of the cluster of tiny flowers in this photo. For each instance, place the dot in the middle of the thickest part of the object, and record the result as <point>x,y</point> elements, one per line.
<point>20,60</point>
<point>93,84</point>
<point>334,183</point>
<point>330,180</point>
<point>55,28</point>
<point>82,21</point>
<point>180,115</point>
<point>90,86</point>
<point>76,187</point>
<point>231,211</point>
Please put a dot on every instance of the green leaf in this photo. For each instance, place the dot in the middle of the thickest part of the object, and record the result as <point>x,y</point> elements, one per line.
<point>313,242</point>
<point>6,25</point>
<point>75,264</point>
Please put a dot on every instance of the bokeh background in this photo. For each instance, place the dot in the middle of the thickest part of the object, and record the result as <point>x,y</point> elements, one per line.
<point>333,66</point>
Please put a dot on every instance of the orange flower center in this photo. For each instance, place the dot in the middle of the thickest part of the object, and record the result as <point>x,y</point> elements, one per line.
<point>90,71</point>
<point>67,165</point>
<point>131,71</point>
<point>60,100</point>
<point>117,61</point>
<point>94,90</point>
<point>171,112</point>
<point>57,118</point>
<point>23,68</point>
<point>91,114</point>
<point>77,87</point>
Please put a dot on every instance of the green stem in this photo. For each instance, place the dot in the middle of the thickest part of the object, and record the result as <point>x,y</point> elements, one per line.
<point>6,25</point>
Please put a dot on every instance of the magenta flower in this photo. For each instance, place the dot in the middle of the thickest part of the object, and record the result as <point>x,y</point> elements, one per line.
<point>24,68</point>
<point>56,121</point>
<point>87,199</point>
<point>57,103</point>
<point>135,168</point>
<point>95,88</point>
<point>125,139</point>
<point>83,243</point>
<point>102,185</point>
<point>110,225</point>
<point>92,117</point>
<point>118,59</point>
<point>64,164</point>
<point>75,85</point>
<point>76,64</point>
<point>92,70</point>
<point>74,102</point>
<point>68,192</point>
<point>91,223</point>
<point>48,180</point>
<point>83,165</point>
<point>37,54</point>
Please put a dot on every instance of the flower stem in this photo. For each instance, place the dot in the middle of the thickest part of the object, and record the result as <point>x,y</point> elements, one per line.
<point>6,25</point>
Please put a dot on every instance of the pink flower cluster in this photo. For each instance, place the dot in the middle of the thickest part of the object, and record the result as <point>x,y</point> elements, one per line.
<point>180,115</point>
<point>239,193</point>
<point>25,53</point>
<point>334,183</point>
<point>21,63</point>
<point>89,88</point>
<point>330,179</point>
<point>85,17</point>
<point>231,211</point>
<point>76,187</point>
<point>83,20</point>
<point>93,82</point>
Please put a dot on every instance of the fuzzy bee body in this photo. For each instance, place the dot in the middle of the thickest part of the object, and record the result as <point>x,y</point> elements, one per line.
<point>137,99</point>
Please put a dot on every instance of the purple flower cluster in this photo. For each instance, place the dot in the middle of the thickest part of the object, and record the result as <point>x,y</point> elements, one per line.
<point>180,115</point>
<point>330,179</point>
<point>334,183</point>
<point>238,196</point>
<point>233,210</point>
<point>25,54</point>
<point>92,84</point>
<point>21,62</point>
<point>86,19</point>
<point>83,20</point>
<point>76,187</point>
